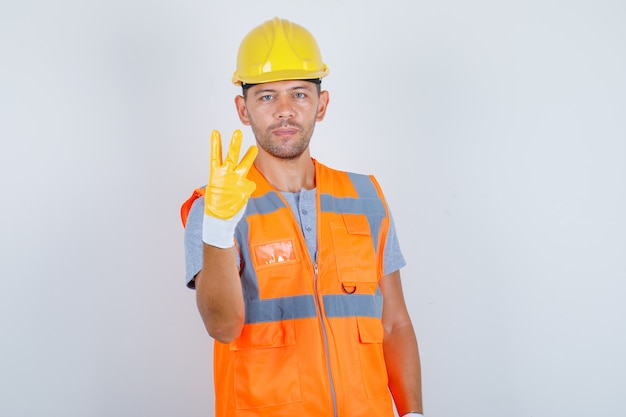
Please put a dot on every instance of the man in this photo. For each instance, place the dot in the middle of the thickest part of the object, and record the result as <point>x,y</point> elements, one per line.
<point>296,265</point>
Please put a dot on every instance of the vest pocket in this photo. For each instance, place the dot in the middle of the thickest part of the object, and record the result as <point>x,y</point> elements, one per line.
<point>354,250</point>
<point>266,366</point>
<point>371,335</point>
<point>274,253</point>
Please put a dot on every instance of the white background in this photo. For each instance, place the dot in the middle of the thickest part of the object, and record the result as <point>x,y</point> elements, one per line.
<point>496,128</point>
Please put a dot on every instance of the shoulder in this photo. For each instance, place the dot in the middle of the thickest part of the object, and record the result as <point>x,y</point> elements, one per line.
<point>338,175</point>
<point>193,200</point>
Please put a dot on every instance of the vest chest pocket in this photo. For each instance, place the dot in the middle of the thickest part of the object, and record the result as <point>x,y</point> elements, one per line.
<point>274,253</point>
<point>354,250</point>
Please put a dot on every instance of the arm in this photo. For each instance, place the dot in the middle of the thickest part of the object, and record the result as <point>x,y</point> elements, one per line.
<point>400,347</point>
<point>218,287</point>
<point>218,294</point>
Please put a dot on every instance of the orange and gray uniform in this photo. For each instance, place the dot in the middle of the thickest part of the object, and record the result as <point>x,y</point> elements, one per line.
<point>311,344</point>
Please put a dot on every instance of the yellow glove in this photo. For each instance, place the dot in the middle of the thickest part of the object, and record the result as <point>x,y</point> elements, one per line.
<point>227,190</point>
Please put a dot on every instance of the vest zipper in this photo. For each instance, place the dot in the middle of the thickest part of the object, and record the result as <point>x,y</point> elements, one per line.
<point>325,339</point>
<point>316,292</point>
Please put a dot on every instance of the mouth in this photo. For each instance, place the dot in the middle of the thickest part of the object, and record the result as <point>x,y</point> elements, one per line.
<point>285,131</point>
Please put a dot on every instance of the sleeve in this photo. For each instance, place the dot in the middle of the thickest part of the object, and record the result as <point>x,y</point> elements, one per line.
<point>194,247</point>
<point>393,259</point>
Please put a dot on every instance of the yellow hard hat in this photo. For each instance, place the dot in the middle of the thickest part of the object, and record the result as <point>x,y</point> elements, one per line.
<point>278,50</point>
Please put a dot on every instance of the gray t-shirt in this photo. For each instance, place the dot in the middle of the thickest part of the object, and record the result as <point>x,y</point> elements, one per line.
<point>303,207</point>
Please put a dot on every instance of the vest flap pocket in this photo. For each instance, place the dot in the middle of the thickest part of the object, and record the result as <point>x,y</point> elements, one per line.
<point>356,224</point>
<point>265,366</point>
<point>372,358</point>
<point>370,329</point>
<point>354,250</point>
<point>265,335</point>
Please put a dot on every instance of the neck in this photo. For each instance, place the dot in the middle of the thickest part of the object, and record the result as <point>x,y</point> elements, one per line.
<point>287,175</point>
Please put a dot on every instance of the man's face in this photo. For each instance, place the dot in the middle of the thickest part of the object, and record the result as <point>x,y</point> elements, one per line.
<point>282,115</point>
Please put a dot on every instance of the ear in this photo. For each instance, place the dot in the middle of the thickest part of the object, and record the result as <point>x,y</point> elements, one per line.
<point>242,110</point>
<point>322,106</point>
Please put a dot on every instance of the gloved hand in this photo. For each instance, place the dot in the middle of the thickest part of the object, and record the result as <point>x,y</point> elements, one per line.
<point>227,190</point>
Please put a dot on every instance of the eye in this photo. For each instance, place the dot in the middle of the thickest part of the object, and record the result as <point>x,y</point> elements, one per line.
<point>266,97</point>
<point>299,95</point>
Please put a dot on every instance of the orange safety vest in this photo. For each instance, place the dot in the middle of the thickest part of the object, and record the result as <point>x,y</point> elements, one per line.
<point>311,344</point>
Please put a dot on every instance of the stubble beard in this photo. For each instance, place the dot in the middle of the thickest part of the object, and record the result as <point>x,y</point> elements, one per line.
<point>286,150</point>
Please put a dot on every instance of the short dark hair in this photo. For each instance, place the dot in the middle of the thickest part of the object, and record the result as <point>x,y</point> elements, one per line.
<point>316,81</point>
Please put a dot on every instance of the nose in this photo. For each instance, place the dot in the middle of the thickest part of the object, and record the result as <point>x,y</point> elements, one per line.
<point>284,108</point>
